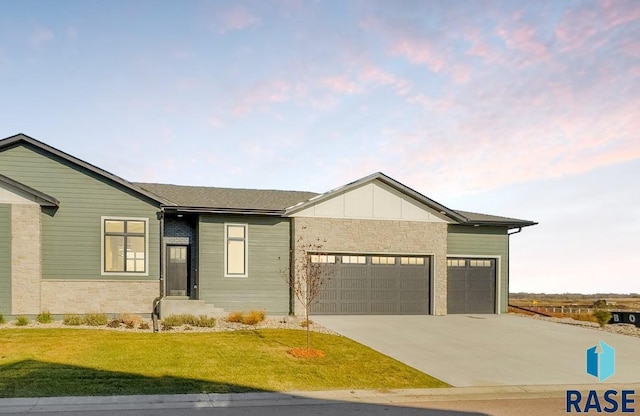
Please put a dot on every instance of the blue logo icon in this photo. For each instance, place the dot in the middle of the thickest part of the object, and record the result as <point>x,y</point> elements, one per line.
<point>601,364</point>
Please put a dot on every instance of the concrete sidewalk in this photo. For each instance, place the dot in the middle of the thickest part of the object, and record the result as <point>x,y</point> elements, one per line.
<point>191,401</point>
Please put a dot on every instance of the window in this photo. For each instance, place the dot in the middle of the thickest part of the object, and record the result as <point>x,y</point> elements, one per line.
<point>354,260</point>
<point>419,261</point>
<point>480,263</point>
<point>125,245</point>
<point>456,263</point>
<point>322,258</point>
<point>383,260</point>
<point>235,250</point>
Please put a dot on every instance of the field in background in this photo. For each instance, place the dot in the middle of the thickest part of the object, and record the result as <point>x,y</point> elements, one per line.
<point>571,305</point>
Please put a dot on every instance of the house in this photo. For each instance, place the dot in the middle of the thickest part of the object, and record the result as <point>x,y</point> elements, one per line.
<point>77,239</point>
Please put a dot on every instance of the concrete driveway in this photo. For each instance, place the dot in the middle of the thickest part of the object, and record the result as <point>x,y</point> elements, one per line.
<point>490,350</point>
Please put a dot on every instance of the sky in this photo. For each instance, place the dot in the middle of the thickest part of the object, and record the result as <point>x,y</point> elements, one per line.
<point>527,109</point>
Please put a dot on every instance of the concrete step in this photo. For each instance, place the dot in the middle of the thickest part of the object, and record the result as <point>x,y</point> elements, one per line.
<point>182,305</point>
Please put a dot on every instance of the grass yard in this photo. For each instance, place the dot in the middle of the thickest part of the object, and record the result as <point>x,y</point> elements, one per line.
<point>63,362</point>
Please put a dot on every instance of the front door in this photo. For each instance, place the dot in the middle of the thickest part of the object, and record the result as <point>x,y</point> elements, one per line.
<point>177,270</point>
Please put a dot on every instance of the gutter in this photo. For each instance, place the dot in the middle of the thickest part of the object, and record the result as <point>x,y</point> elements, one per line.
<point>239,211</point>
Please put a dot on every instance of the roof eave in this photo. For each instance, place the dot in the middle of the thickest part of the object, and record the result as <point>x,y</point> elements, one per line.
<point>40,197</point>
<point>218,210</point>
<point>13,140</point>
<point>508,224</point>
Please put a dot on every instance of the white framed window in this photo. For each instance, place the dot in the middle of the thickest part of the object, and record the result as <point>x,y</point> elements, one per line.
<point>322,258</point>
<point>125,246</point>
<point>480,263</point>
<point>418,261</point>
<point>236,250</point>
<point>354,259</point>
<point>383,260</point>
<point>456,263</point>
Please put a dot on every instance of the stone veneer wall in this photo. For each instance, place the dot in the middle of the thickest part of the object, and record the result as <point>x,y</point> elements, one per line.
<point>382,236</point>
<point>26,266</point>
<point>108,296</point>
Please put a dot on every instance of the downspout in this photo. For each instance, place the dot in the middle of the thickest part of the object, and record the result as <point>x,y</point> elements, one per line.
<point>156,302</point>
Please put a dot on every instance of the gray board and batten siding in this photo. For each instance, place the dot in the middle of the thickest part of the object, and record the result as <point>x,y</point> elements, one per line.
<point>487,243</point>
<point>75,227</point>
<point>265,286</point>
<point>5,259</point>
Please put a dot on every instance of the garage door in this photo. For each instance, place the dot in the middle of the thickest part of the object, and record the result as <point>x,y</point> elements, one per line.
<point>471,285</point>
<point>375,285</point>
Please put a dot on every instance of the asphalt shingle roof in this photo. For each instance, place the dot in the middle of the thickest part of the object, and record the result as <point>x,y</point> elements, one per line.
<point>227,198</point>
<point>475,217</point>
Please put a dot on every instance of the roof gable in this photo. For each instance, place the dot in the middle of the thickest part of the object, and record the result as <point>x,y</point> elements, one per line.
<point>23,139</point>
<point>376,196</point>
<point>13,191</point>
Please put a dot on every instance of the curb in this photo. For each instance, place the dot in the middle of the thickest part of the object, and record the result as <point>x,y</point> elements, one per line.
<point>211,400</point>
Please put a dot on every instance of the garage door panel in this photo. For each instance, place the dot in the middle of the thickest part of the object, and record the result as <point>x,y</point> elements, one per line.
<point>353,308</point>
<point>353,283</point>
<point>471,286</point>
<point>390,288</point>
<point>353,295</point>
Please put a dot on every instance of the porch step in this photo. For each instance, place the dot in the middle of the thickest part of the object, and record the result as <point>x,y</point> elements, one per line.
<point>182,305</point>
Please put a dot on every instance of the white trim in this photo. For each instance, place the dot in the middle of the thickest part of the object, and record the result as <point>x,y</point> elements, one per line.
<point>246,249</point>
<point>498,276</point>
<point>146,248</point>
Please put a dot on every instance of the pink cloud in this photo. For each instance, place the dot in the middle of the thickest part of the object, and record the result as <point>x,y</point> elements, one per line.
<point>341,84</point>
<point>460,73</point>
<point>265,92</point>
<point>418,51</point>
<point>236,18</point>
<point>40,36</point>
<point>375,75</point>
<point>522,38</point>
<point>592,26</point>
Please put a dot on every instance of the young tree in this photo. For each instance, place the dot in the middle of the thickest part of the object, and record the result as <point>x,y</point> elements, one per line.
<point>311,268</point>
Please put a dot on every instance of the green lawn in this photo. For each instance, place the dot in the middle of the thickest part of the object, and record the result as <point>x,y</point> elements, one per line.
<point>61,362</point>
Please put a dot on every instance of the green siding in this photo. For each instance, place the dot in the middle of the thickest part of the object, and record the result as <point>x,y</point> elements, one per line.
<point>71,240</point>
<point>483,241</point>
<point>268,255</point>
<point>5,259</point>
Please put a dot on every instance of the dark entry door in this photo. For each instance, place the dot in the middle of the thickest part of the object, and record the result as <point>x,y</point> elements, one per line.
<point>177,270</point>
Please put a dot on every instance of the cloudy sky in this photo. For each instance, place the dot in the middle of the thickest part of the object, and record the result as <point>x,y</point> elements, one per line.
<point>528,109</point>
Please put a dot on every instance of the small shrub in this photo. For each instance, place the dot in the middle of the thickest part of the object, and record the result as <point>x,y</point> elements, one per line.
<point>236,317</point>
<point>2,319</point>
<point>602,316</point>
<point>72,320</point>
<point>187,328</point>
<point>206,322</point>
<point>253,317</point>
<point>130,320</point>
<point>114,323</point>
<point>22,321</point>
<point>167,327</point>
<point>179,320</point>
<point>305,323</point>
<point>143,325</point>
<point>45,318</point>
<point>95,319</point>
